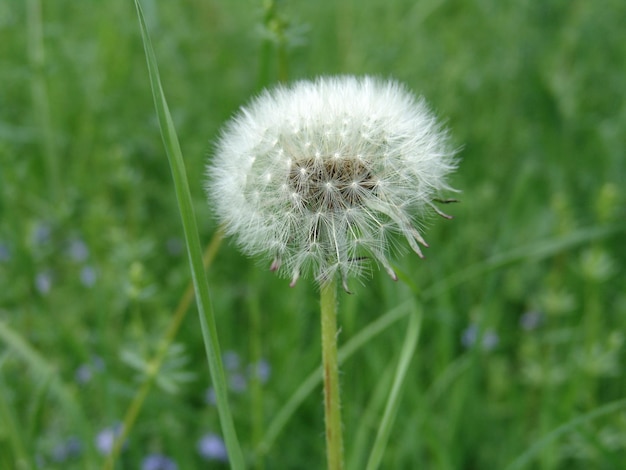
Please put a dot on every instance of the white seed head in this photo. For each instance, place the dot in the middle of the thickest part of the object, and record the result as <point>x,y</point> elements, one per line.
<point>318,175</point>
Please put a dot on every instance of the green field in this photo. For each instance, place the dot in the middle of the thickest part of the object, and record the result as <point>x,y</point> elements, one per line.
<point>521,360</point>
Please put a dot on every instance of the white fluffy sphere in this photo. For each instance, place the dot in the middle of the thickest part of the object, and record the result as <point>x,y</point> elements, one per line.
<point>318,175</point>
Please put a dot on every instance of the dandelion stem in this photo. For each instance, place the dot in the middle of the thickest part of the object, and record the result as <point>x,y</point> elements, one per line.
<point>330,367</point>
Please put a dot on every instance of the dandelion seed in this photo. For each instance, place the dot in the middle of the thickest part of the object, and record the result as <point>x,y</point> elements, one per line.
<point>368,161</point>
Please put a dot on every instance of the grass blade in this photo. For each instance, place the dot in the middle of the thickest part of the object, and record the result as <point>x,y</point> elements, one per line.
<point>391,408</point>
<point>207,319</point>
<point>526,458</point>
<point>314,379</point>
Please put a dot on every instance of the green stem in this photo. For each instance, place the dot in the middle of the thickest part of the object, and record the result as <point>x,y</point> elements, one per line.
<point>41,101</point>
<point>194,252</point>
<point>332,403</point>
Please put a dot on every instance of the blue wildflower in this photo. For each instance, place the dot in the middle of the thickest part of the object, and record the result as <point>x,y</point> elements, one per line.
<point>238,383</point>
<point>158,462</point>
<point>43,282</point>
<point>83,374</point>
<point>77,250</point>
<point>5,252</point>
<point>212,447</point>
<point>490,338</point>
<point>42,234</point>
<point>231,360</point>
<point>70,448</point>
<point>88,276</point>
<point>210,397</point>
<point>531,320</point>
<point>106,439</point>
<point>262,371</point>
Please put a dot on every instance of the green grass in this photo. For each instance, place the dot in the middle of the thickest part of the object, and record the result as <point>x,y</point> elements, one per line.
<point>93,264</point>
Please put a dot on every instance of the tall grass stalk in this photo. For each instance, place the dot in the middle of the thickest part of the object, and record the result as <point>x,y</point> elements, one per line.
<point>185,206</point>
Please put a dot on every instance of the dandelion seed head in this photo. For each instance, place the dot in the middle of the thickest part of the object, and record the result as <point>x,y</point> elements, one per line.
<point>316,175</point>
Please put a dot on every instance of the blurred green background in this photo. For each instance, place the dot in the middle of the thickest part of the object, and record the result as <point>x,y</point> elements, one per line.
<point>523,293</point>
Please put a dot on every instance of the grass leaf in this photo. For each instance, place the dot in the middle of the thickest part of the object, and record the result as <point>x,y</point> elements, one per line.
<point>185,206</point>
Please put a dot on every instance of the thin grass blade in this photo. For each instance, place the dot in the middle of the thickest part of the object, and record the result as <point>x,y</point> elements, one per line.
<point>525,459</point>
<point>194,251</point>
<point>391,408</point>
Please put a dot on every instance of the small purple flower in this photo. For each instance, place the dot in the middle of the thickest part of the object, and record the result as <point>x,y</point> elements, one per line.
<point>42,233</point>
<point>43,282</point>
<point>158,462</point>
<point>106,439</point>
<point>83,374</point>
<point>489,341</point>
<point>238,383</point>
<point>5,252</point>
<point>77,250</point>
<point>88,276</point>
<point>231,360</point>
<point>531,320</point>
<point>212,447</point>
<point>210,397</point>
<point>174,246</point>
<point>71,447</point>
<point>469,335</point>
<point>262,371</point>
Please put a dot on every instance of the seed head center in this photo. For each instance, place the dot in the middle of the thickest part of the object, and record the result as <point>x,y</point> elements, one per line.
<point>331,184</point>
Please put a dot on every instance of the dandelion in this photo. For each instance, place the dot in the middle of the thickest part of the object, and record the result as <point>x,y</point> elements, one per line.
<point>320,175</point>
